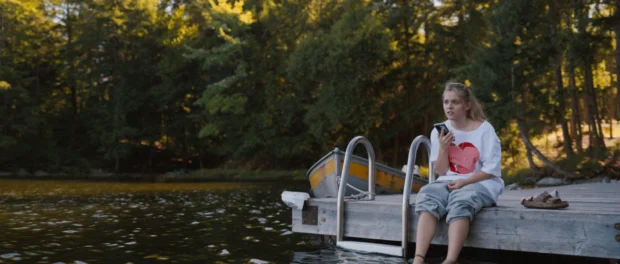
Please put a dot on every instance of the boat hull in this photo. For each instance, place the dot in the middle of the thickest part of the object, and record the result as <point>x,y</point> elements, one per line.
<point>324,176</point>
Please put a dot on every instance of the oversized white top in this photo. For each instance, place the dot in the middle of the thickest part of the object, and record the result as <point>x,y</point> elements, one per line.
<point>471,152</point>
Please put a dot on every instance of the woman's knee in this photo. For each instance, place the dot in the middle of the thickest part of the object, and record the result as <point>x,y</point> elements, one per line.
<point>463,204</point>
<point>431,206</point>
<point>460,212</point>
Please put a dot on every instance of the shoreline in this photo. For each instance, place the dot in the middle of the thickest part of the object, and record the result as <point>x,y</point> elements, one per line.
<point>214,175</point>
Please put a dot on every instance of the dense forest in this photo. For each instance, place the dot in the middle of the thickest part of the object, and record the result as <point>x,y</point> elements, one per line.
<point>159,85</point>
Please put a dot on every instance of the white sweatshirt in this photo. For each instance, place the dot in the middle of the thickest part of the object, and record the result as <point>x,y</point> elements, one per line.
<point>471,152</point>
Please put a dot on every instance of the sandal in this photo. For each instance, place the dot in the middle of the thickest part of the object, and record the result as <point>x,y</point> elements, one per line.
<point>545,201</point>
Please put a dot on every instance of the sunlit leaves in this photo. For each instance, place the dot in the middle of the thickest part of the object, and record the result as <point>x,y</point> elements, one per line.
<point>4,85</point>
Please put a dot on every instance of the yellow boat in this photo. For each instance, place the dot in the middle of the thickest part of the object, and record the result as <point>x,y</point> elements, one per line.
<point>324,176</point>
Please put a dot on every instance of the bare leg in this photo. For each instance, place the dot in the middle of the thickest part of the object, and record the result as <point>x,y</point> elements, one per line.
<point>424,235</point>
<point>457,233</point>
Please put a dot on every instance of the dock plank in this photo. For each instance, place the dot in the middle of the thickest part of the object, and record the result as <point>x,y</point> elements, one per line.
<point>586,228</point>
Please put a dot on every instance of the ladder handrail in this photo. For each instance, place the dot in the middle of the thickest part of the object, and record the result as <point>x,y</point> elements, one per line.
<point>343,180</point>
<point>413,149</point>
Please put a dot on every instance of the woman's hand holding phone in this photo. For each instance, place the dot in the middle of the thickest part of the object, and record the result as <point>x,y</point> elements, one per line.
<point>445,137</point>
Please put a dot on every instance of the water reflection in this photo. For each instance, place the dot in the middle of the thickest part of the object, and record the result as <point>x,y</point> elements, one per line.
<point>78,222</point>
<point>97,222</point>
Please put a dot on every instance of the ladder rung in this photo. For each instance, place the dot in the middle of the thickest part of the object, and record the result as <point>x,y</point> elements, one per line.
<point>371,247</point>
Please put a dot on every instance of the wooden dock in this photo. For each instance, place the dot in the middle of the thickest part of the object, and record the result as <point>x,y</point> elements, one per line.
<point>590,226</point>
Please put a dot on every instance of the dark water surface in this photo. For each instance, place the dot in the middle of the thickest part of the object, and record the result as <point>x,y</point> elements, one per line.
<point>99,222</point>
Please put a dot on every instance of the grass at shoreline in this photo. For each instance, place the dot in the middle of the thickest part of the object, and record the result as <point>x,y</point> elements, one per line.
<point>205,175</point>
<point>232,175</point>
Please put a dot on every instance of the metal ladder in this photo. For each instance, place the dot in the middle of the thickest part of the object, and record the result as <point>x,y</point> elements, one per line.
<point>377,247</point>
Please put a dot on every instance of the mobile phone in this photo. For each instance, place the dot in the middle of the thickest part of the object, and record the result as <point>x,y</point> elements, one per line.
<point>441,126</point>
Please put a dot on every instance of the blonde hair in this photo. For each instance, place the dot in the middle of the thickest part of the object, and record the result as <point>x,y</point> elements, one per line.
<point>475,111</point>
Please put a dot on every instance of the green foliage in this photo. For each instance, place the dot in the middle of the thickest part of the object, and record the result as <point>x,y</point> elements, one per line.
<point>156,86</point>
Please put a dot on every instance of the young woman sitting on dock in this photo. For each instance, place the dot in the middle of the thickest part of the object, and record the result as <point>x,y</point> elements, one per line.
<point>467,160</point>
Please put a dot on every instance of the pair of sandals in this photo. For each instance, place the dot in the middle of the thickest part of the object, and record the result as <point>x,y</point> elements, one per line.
<point>545,201</point>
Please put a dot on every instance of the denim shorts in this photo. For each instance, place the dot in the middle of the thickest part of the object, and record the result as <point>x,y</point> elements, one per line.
<point>436,199</point>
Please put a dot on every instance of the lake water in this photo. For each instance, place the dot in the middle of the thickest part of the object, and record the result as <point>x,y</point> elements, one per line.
<point>101,222</point>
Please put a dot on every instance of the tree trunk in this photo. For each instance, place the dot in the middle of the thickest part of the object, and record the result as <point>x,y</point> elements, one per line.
<point>575,118</point>
<point>610,114</point>
<point>200,156</point>
<point>596,138</point>
<point>599,120</point>
<point>396,149</point>
<point>540,156</point>
<point>530,159</point>
<point>524,136</point>
<point>152,151</point>
<point>617,56</point>
<point>568,144</point>
<point>70,57</point>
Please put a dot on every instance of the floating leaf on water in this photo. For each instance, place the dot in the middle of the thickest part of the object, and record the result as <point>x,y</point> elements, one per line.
<point>9,255</point>
<point>248,238</point>
<point>286,233</point>
<point>276,222</point>
<point>211,246</point>
<point>59,222</point>
<point>157,257</point>
<point>195,223</point>
<point>220,211</point>
<point>153,235</point>
<point>131,243</point>
<point>258,261</point>
<point>254,211</point>
<point>268,228</point>
<point>301,243</point>
<point>69,231</point>
<point>255,240</point>
<point>224,252</point>
<point>262,220</point>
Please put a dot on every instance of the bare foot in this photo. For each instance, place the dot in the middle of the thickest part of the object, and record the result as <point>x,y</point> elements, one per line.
<point>447,261</point>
